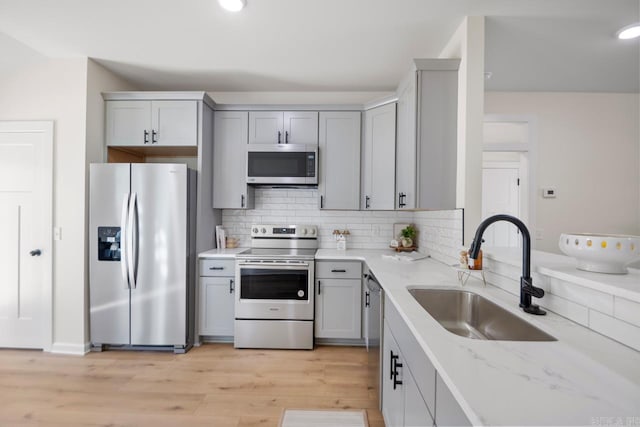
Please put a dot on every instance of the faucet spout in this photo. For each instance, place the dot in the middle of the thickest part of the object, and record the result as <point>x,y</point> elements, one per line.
<point>527,290</point>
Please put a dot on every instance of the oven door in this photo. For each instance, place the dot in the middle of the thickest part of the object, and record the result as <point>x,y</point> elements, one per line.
<point>274,290</point>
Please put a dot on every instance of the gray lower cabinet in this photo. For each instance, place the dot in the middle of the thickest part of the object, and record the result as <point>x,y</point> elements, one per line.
<point>448,412</point>
<point>338,312</point>
<point>217,297</point>
<point>425,399</point>
<point>339,164</point>
<point>231,133</point>
<point>402,402</point>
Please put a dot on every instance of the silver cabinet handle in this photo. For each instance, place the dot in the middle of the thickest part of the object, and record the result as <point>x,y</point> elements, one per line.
<point>154,136</point>
<point>146,136</point>
<point>286,137</point>
<point>279,136</point>
<point>367,199</point>
<point>35,252</point>
<point>242,200</point>
<point>231,286</point>
<point>318,287</point>
<point>321,201</point>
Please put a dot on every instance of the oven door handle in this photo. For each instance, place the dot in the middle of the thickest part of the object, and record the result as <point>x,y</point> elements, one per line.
<point>276,265</point>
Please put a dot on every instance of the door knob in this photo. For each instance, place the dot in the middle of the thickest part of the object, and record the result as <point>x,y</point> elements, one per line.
<point>36,252</point>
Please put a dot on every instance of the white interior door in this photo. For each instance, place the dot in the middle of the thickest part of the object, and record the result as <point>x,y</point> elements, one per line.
<point>500,195</point>
<point>25,221</point>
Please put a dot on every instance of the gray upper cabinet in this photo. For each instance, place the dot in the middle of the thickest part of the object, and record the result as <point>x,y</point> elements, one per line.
<point>427,132</point>
<point>147,123</point>
<point>230,189</point>
<point>300,127</point>
<point>379,158</point>
<point>278,127</point>
<point>406,144</point>
<point>339,159</point>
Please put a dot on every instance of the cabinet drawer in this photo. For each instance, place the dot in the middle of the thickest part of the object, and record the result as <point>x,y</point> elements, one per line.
<point>338,270</point>
<point>217,267</point>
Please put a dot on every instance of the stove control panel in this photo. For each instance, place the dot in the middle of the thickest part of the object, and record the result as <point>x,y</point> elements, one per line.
<point>284,231</point>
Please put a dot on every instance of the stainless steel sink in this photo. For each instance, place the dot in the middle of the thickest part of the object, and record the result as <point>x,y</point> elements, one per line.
<point>472,316</point>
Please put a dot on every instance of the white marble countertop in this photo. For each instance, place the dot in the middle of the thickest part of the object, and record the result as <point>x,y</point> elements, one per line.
<point>221,253</point>
<point>582,379</point>
<point>564,268</point>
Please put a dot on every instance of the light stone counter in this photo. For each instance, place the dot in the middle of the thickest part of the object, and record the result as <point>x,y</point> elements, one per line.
<point>582,379</point>
<point>221,253</point>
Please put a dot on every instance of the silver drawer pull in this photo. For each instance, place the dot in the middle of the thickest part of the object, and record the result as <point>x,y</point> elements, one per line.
<point>338,271</point>
<point>216,268</point>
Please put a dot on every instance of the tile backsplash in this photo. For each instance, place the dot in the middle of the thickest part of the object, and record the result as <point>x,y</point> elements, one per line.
<point>439,232</point>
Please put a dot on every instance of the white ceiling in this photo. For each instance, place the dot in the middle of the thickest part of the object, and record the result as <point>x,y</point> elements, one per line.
<point>330,45</point>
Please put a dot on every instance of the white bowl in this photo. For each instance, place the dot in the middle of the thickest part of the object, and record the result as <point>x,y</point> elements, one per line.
<point>601,253</point>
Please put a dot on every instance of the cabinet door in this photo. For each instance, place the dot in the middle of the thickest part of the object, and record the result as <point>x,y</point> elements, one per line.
<point>416,413</point>
<point>379,158</point>
<point>406,145</point>
<point>392,397</point>
<point>338,308</point>
<point>231,132</point>
<point>266,127</point>
<point>128,123</point>
<point>448,412</point>
<point>174,123</point>
<point>217,306</point>
<point>339,157</point>
<point>437,139</point>
<point>300,127</point>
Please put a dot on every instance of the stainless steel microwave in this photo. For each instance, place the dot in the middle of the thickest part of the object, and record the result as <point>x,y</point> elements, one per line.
<point>282,164</point>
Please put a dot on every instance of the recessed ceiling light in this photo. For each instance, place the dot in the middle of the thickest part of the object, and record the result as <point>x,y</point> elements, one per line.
<point>233,5</point>
<point>629,32</point>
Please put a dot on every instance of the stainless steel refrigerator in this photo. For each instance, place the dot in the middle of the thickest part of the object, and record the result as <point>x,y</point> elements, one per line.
<point>142,255</point>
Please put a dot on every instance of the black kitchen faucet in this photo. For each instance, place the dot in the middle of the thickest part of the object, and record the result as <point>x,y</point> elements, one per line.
<point>527,290</point>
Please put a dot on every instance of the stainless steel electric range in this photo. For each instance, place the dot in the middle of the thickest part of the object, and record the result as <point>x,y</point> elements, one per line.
<point>275,288</point>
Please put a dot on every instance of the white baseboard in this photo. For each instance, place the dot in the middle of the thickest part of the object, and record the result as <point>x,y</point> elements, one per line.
<point>75,349</point>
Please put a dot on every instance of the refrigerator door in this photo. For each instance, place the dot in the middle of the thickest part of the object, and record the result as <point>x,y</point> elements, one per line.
<point>159,230</point>
<point>108,282</point>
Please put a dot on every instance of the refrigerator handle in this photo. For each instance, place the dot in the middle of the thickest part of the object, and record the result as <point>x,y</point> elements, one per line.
<point>132,241</point>
<point>124,264</point>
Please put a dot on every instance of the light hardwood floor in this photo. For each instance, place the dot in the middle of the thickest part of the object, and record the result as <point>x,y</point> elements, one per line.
<point>212,385</point>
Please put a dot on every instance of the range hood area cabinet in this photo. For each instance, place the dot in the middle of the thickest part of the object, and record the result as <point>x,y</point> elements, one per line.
<point>379,158</point>
<point>339,160</point>
<point>231,133</point>
<point>142,123</point>
<point>426,162</point>
<point>283,127</point>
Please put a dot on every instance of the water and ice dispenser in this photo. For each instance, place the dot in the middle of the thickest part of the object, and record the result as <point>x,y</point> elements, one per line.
<point>108,243</point>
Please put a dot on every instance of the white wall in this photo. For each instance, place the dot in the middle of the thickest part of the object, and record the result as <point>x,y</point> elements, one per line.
<point>56,90</point>
<point>589,150</point>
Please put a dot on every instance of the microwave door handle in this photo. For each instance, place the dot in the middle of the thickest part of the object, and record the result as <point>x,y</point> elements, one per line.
<point>124,264</point>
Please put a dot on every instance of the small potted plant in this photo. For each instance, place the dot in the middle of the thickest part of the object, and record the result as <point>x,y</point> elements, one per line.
<point>408,236</point>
